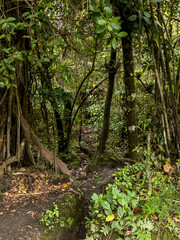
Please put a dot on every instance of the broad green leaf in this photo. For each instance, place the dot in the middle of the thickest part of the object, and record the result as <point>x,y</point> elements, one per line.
<point>94,197</point>
<point>11,76</point>
<point>10,60</point>
<point>109,218</point>
<point>105,205</point>
<point>136,25</point>
<point>128,198</point>
<point>2,84</point>
<point>114,43</point>
<point>2,36</point>
<point>115,192</point>
<point>132,193</point>
<point>116,26</point>
<point>122,34</point>
<point>93,8</point>
<point>101,28</point>
<point>120,212</point>
<point>115,19</point>
<point>146,14</point>
<point>25,14</point>
<point>101,21</point>
<point>39,64</point>
<point>134,202</point>
<point>132,17</point>
<point>2,69</point>
<point>109,27</point>
<point>108,212</point>
<point>109,198</point>
<point>32,58</point>
<point>8,85</point>
<point>11,19</point>
<point>46,60</point>
<point>2,21</point>
<point>108,11</point>
<point>147,20</point>
<point>10,67</point>
<point>8,37</point>
<point>121,201</point>
<point>6,81</point>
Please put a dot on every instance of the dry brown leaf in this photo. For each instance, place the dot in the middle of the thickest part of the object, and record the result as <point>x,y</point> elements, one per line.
<point>167,167</point>
<point>31,213</point>
<point>13,210</point>
<point>137,210</point>
<point>128,233</point>
<point>22,169</point>
<point>154,216</point>
<point>176,219</point>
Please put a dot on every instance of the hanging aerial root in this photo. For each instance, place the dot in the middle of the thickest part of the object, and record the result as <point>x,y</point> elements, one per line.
<point>19,154</point>
<point>45,153</point>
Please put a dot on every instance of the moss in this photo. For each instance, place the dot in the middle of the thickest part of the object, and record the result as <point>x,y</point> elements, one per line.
<point>70,214</point>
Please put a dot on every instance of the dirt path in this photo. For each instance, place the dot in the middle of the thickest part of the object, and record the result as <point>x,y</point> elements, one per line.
<point>21,208</point>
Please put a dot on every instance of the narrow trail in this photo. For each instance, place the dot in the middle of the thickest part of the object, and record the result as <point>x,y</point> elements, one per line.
<point>21,208</point>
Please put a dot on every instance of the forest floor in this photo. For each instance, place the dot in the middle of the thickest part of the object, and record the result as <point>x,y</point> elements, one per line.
<point>30,195</point>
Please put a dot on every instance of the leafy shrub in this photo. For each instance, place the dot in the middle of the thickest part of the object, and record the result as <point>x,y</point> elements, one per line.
<point>128,210</point>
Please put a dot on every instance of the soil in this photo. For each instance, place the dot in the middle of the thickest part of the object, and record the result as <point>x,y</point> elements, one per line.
<point>33,191</point>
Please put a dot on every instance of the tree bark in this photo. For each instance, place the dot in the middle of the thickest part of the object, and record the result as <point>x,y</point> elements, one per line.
<point>31,137</point>
<point>131,119</point>
<point>106,120</point>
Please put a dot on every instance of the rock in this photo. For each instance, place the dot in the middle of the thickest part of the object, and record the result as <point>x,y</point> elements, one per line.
<point>70,214</point>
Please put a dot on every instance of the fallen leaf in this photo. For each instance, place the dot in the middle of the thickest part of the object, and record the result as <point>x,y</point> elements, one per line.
<point>31,213</point>
<point>154,216</point>
<point>1,213</point>
<point>167,167</point>
<point>137,210</point>
<point>176,219</point>
<point>109,218</point>
<point>127,233</point>
<point>13,210</point>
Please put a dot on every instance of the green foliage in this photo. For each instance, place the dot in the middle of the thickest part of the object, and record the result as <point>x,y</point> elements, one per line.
<point>57,96</point>
<point>52,218</point>
<point>106,22</point>
<point>116,212</point>
<point>164,203</point>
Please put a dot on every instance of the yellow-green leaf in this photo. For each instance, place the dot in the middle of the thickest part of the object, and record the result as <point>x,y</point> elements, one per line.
<point>109,218</point>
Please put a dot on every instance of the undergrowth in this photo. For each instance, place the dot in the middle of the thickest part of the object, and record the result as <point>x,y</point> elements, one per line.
<point>131,209</point>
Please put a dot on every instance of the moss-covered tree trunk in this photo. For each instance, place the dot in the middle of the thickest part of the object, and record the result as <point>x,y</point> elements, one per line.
<point>106,120</point>
<point>16,135</point>
<point>130,91</point>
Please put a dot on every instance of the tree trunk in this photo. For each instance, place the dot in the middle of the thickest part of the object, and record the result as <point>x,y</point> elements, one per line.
<point>131,119</point>
<point>16,134</point>
<point>105,130</point>
<point>31,138</point>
